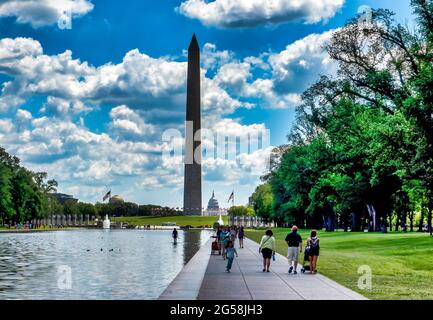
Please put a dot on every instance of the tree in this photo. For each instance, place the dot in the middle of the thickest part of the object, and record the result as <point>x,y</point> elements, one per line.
<point>361,149</point>
<point>6,211</point>
<point>263,200</point>
<point>85,209</point>
<point>240,211</point>
<point>45,187</point>
<point>70,208</point>
<point>26,198</point>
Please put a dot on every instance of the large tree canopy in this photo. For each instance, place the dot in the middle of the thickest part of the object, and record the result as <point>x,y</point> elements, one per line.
<point>360,154</point>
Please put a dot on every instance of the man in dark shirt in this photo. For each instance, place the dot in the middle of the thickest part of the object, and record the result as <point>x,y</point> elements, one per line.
<point>294,242</point>
<point>174,235</point>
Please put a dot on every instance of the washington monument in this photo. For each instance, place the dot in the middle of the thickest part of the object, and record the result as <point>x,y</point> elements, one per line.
<point>192,157</point>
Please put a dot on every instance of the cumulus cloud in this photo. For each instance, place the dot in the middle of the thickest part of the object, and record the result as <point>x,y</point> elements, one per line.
<point>23,115</point>
<point>6,126</point>
<point>139,81</point>
<point>71,152</point>
<point>40,13</point>
<point>62,107</point>
<point>234,76</point>
<point>128,124</point>
<point>146,83</point>
<point>288,73</point>
<point>144,96</point>
<point>302,62</point>
<point>212,58</point>
<point>12,49</point>
<point>251,13</point>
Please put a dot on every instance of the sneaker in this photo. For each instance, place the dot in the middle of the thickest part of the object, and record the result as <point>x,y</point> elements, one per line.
<point>290,269</point>
<point>267,271</point>
<point>228,270</point>
<point>295,272</point>
<point>264,270</point>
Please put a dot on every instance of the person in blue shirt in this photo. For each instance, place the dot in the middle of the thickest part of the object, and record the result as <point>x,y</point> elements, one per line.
<point>230,253</point>
<point>225,237</point>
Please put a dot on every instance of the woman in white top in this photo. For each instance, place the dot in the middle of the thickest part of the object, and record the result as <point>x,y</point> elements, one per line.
<point>267,248</point>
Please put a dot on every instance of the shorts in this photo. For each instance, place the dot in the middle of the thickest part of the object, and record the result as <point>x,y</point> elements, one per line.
<point>267,253</point>
<point>293,253</point>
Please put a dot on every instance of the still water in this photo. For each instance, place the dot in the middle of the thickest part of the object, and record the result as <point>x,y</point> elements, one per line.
<point>133,264</point>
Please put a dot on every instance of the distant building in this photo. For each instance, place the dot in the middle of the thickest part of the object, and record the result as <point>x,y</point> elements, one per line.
<point>116,200</point>
<point>213,208</point>
<point>62,198</point>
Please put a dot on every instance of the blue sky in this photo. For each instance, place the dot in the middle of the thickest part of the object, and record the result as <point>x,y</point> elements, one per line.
<point>89,104</point>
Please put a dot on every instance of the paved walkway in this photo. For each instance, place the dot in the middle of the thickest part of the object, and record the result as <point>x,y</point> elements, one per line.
<point>248,282</point>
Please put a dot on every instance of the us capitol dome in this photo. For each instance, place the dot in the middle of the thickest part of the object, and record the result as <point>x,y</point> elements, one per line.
<point>213,208</point>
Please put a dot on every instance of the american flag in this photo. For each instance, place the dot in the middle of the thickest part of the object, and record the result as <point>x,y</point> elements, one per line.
<point>108,195</point>
<point>232,196</point>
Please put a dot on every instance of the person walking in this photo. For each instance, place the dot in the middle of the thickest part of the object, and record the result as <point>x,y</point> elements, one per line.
<point>267,248</point>
<point>218,234</point>
<point>225,237</point>
<point>314,248</point>
<point>174,235</point>
<point>241,235</point>
<point>233,234</point>
<point>230,252</point>
<point>294,241</point>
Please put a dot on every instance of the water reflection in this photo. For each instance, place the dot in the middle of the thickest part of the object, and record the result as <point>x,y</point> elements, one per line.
<point>132,264</point>
<point>191,244</point>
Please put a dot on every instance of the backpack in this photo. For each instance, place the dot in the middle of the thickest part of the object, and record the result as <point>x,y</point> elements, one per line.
<point>314,244</point>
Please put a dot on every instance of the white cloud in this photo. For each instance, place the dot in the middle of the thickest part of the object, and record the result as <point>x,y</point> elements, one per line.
<point>265,90</point>
<point>12,49</point>
<point>9,101</point>
<point>146,83</point>
<point>23,115</point>
<point>302,62</point>
<point>128,124</point>
<point>139,81</point>
<point>212,58</point>
<point>40,13</point>
<point>234,76</point>
<point>142,92</point>
<point>6,126</point>
<point>250,13</point>
<point>62,107</point>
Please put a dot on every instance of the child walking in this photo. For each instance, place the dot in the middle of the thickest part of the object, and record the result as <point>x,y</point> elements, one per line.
<point>230,252</point>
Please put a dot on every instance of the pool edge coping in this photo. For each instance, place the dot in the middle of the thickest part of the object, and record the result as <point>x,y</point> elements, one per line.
<point>186,285</point>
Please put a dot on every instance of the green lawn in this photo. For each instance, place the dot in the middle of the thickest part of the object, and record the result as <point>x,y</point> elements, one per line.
<point>180,220</point>
<point>402,264</point>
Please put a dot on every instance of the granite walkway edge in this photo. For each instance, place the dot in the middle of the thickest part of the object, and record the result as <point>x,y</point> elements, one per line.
<point>187,284</point>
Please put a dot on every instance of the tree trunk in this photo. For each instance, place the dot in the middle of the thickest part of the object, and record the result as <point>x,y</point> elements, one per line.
<point>421,221</point>
<point>429,219</point>
<point>355,222</point>
<point>411,216</point>
<point>390,221</point>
